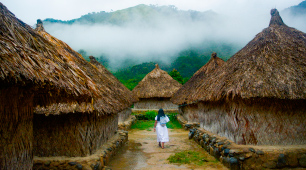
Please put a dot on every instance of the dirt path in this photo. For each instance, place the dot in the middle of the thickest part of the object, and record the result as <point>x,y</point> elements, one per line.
<point>142,152</point>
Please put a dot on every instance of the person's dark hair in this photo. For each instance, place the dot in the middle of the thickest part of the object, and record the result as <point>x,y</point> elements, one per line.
<point>160,114</point>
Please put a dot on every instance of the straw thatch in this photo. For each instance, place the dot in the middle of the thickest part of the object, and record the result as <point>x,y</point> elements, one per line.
<point>182,95</point>
<point>156,84</point>
<point>272,65</point>
<point>118,86</point>
<point>32,72</point>
<point>85,126</point>
<point>29,59</point>
<point>114,96</point>
<point>258,96</point>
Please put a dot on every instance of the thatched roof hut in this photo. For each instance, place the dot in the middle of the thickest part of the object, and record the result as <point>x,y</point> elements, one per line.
<point>272,65</point>
<point>157,84</point>
<point>114,97</point>
<point>32,72</point>
<point>258,96</point>
<point>182,95</point>
<point>98,119</point>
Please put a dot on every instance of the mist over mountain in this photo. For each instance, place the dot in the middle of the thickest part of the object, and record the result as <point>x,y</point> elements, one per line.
<point>145,33</point>
<point>295,16</point>
<point>149,33</point>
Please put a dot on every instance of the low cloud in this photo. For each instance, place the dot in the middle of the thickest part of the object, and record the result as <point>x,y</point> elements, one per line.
<point>161,38</point>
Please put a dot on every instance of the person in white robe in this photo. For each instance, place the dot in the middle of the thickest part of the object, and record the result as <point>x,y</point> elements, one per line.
<point>161,130</point>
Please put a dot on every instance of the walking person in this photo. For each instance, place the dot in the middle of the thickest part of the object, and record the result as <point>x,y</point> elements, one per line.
<point>161,129</point>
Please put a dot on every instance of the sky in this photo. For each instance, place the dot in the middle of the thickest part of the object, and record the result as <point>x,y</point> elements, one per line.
<point>31,10</point>
<point>162,40</point>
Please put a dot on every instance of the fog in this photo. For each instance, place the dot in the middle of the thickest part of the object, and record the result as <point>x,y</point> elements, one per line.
<point>163,37</point>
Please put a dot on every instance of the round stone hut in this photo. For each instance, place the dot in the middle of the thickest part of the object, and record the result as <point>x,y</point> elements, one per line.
<point>155,90</point>
<point>79,128</point>
<point>183,95</point>
<point>32,73</point>
<point>258,96</point>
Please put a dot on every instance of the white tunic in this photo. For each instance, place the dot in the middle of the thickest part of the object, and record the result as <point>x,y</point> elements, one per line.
<point>162,132</point>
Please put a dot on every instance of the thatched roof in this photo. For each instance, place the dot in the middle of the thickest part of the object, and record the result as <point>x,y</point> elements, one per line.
<point>183,94</point>
<point>114,97</point>
<point>30,61</point>
<point>272,65</point>
<point>157,83</point>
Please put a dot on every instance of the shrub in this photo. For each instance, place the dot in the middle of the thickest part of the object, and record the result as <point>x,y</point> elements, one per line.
<point>150,115</point>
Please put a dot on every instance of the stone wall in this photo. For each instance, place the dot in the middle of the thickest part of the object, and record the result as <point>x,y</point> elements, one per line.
<point>252,122</point>
<point>238,157</point>
<point>155,103</point>
<point>97,161</point>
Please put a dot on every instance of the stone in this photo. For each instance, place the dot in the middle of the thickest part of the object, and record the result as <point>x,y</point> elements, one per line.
<point>97,166</point>
<point>248,155</point>
<point>79,166</point>
<point>202,143</point>
<point>190,134</point>
<point>302,160</point>
<point>220,143</point>
<point>72,163</point>
<point>233,160</point>
<point>292,159</point>
<point>226,152</point>
<point>260,152</point>
<point>252,150</point>
<point>188,125</point>
<point>217,153</point>
<point>234,165</point>
<point>281,161</point>
<point>241,158</point>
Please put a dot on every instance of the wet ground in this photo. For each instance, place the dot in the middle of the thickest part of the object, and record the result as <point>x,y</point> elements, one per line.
<point>142,152</point>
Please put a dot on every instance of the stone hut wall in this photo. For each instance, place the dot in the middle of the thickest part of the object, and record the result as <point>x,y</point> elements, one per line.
<point>258,122</point>
<point>155,103</point>
<point>73,134</point>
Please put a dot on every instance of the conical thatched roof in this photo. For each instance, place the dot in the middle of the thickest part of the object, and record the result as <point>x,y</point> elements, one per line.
<point>113,96</point>
<point>157,83</point>
<point>272,65</point>
<point>29,60</point>
<point>183,94</point>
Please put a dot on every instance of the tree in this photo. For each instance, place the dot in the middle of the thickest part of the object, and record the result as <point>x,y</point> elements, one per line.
<point>176,76</point>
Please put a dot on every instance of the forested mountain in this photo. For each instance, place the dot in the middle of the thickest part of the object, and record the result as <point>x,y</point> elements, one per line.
<point>297,10</point>
<point>147,14</point>
<point>130,41</point>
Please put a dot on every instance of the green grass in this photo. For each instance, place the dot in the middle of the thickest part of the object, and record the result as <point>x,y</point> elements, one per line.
<point>149,124</point>
<point>143,125</point>
<point>188,157</point>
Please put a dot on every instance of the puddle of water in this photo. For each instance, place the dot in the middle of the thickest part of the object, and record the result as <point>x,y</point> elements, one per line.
<point>130,156</point>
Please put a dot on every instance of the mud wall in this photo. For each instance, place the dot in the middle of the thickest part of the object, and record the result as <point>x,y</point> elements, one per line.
<point>74,134</point>
<point>124,115</point>
<point>257,122</point>
<point>155,103</point>
<point>16,128</point>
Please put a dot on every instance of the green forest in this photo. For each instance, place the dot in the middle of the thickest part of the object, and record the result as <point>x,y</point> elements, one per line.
<point>181,68</point>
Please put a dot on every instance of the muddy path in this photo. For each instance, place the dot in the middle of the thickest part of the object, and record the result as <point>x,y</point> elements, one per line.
<point>142,152</point>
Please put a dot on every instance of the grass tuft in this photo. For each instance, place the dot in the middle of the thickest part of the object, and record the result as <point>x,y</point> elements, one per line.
<point>188,157</point>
